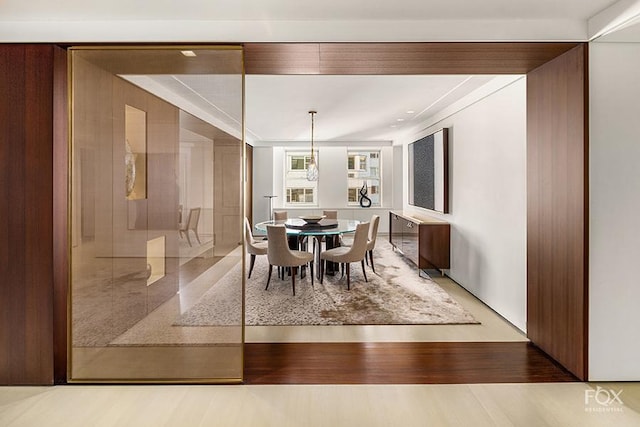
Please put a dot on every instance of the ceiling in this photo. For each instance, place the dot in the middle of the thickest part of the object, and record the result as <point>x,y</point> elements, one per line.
<point>350,108</point>
<point>354,109</point>
<point>256,10</point>
<point>285,20</point>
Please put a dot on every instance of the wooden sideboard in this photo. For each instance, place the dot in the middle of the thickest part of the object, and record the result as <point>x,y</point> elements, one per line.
<point>424,241</point>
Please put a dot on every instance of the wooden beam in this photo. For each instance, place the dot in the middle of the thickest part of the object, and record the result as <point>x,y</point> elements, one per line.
<point>399,58</point>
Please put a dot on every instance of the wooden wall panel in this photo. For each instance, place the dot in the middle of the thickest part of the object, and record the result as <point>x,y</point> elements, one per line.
<point>282,58</point>
<point>557,149</point>
<point>248,186</point>
<point>26,214</point>
<point>60,213</point>
<point>399,58</point>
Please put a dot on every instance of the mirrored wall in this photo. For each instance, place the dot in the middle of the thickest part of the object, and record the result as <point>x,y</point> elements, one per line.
<point>156,215</point>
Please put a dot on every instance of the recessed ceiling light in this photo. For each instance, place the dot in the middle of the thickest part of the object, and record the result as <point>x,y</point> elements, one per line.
<point>400,120</point>
<point>188,53</point>
<point>410,111</point>
<point>393,126</point>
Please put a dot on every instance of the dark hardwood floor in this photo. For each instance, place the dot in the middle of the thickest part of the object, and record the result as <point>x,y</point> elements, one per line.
<point>400,363</point>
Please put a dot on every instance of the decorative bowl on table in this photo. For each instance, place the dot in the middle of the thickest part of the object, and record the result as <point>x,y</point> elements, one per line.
<point>312,219</point>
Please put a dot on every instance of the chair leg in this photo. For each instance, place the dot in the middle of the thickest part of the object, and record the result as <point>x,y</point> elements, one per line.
<point>269,278</point>
<point>364,273</point>
<point>196,233</point>
<point>293,280</point>
<point>311,268</point>
<point>253,261</point>
<point>348,276</point>
<point>188,238</point>
<point>373,267</point>
<point>321,270</point>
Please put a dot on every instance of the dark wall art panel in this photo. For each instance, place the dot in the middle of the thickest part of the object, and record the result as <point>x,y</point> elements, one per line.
<point>428,172</point>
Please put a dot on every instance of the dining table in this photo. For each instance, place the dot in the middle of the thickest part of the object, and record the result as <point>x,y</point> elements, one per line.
<point>329,230</point>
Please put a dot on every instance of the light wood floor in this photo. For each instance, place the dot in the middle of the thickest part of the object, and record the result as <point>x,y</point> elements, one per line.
<point>536,405</point>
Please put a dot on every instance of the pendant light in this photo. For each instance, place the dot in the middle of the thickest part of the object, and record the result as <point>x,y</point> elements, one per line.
<point>312,167</point>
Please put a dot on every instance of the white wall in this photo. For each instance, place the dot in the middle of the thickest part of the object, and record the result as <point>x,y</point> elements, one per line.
<point>487,199</point>
<point>262,182</point>
<point>614,204</point>
<point>268,178</point>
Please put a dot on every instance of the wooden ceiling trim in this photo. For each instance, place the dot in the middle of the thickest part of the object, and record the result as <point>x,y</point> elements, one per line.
<point>282,58</point>
<point>399,58</point>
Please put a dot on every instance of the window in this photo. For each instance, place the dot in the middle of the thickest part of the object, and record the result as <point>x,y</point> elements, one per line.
<point>299,162</point>
<point>298,191</point>
<point>363,168</point>
<point>300,195</point>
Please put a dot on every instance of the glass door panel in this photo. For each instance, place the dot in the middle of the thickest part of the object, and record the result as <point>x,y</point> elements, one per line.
<point>156,215</point>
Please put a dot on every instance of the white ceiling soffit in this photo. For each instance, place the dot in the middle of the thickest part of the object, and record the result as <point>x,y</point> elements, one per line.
<point>618,23</point>
<point>286,20</point>
<point>628,33</point>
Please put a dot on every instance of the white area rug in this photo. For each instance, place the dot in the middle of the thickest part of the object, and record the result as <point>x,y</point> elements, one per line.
<point>396,294</point>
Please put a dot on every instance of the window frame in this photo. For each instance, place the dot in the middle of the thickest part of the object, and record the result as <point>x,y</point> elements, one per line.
<point>292,182</point>
<point>368,167</point>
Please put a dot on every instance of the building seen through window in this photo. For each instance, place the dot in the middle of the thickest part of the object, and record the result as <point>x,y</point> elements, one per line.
<point>363,168</point>
<point>298,190</point>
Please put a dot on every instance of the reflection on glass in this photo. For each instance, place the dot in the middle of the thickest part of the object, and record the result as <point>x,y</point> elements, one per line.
<point>135,158</point>
<point>155,259</point>
<point>141,166</point>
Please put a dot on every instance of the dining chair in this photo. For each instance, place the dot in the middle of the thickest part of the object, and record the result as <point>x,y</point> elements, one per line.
<point>347,254</point>
<point>280,255</point>
<point>330,214</point>
<point>327,215</point>
<point>294,241</point>
<point>191,224</point>
<point>280,215</point>
<point>371,241</point>
<point>253,247</point>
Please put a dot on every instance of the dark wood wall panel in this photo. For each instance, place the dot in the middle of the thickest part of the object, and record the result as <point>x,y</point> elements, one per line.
<point>248,196</point>
<point>26,214</point>
<point>399,58</point>
<point>282,58</point>
<point>557,148</point>
<point>60,213</point>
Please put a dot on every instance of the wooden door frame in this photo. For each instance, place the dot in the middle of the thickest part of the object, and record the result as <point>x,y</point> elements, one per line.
<point>316,58</point>
<point>552,336</point>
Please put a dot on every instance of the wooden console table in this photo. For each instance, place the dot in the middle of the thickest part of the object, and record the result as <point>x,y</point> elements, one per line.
<point>424,241</point>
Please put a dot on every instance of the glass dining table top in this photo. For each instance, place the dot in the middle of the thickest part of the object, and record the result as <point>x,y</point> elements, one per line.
<point>297,226</point>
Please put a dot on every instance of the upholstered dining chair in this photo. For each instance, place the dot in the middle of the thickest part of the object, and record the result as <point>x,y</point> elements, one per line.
<point>191,224</point>
<point>327,215</point>
<point>371,241</point>
<point>280,215</point>
<point>348,254</point>
<point>253,247</point>
<point>330,214</point>
<point>279,254</point>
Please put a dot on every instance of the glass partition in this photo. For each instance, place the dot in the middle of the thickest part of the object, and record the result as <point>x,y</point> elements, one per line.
<point>156,215</point>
